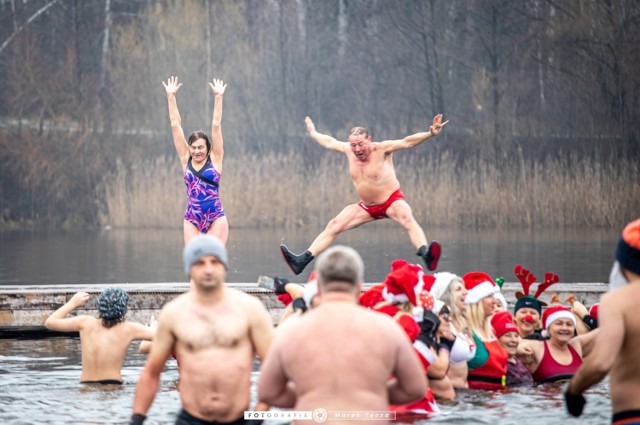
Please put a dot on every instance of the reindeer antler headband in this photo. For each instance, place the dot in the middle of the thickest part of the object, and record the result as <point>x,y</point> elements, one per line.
<point>527,279</point>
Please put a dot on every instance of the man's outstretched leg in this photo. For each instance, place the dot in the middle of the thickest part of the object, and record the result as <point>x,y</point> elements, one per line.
<point>296,262</point>
<point>430,254</point>
<point>350,217</point>
<point>400,211</point>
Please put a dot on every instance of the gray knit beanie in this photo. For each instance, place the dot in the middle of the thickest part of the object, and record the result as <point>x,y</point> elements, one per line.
<point>203,245</point>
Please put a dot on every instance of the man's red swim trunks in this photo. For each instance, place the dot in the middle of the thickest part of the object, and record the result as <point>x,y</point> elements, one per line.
<point>380,211</point>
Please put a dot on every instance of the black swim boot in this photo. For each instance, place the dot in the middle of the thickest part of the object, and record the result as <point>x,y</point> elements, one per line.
<point>430,255</point>
<point>296,263</point>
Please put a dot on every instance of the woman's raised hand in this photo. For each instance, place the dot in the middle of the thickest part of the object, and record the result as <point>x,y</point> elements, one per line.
<point>172,85</point>
<point>218,87</point>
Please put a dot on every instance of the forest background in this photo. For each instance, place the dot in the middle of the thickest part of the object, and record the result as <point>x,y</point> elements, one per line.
<point>543,98</point>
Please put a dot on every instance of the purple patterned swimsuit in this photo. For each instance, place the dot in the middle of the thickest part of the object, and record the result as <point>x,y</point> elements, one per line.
<point>518,375</point>
<point>203,200</point>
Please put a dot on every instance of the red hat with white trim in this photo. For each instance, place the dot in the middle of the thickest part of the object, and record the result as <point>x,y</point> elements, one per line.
<point>404,283</point>
<point>556,312</point>
<point>479,285</point>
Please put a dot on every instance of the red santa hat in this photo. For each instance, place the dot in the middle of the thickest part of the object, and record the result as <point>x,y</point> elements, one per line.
<point>479,285</point>
<point>556,312</point>
<point>372,296</point>
<point>502,323</point>
<point>404,283</point>
<point>593,311</point>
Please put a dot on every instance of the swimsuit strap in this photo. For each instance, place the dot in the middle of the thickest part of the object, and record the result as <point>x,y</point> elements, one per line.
<point>199,173</point>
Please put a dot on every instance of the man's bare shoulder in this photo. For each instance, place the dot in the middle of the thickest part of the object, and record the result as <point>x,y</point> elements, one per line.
<point>379,146</point>
<point>383,321</point>
<point>292,326</point>
<point>251,306</point>
<point>375,320</point>
<point>177,304</point>
<point>86,321</point>
<point>622,297</point>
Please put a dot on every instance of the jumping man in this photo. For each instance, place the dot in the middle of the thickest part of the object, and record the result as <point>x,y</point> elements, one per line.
<point>373,175</point>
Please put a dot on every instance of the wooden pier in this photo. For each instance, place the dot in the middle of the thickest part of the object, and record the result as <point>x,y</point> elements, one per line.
<point>23,309</point>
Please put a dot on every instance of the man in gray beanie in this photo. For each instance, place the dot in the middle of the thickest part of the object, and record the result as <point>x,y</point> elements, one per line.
<point>215,333</point>
<point>105,339</point>
<point>617,347</point>
<point>200,246</point>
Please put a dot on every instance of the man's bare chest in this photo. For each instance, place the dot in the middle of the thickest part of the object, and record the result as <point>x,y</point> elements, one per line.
<point>373,169</point>
<point>202,331</point>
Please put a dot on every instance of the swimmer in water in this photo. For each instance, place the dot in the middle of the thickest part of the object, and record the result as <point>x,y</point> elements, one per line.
<point>617,346</point>
<point>558,358</point>
<point>105,339</point>
<point>215,332</point>
<point>295,376</point>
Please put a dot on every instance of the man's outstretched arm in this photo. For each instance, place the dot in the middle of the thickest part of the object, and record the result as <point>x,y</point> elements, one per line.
<point>324,140</point>
<point>389,146</point>
<point>599,362</point>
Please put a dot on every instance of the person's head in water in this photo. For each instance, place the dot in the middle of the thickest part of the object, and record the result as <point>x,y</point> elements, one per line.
<point>113,306</point>
<point>360,142</point>
<point>340,269</point>
<point>199,146</point>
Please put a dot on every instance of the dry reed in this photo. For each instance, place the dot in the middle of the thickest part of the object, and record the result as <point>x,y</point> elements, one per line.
<point>284,191</point>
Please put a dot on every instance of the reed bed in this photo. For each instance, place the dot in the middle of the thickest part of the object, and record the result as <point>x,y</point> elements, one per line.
<point>283,190</point>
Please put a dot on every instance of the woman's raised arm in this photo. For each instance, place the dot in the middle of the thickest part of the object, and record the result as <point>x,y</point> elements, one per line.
<point>217,146</point>
<point>172,86</point>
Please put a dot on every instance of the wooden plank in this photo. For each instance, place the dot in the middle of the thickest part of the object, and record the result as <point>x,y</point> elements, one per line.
<point>29,306</point>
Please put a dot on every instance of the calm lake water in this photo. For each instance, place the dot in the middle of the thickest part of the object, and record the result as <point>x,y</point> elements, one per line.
<point>146,256</point>
<point>39,384</point>
<point>39,378</point>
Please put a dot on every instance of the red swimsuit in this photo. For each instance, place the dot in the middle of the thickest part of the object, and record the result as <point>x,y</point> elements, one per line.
<point>550,370</point>
<point>380,211</point>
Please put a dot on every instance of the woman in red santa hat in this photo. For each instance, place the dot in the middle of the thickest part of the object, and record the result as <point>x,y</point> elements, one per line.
<point>397,297</point>
<point>449,288</point>
<point>507,333</point>
<point>488,368</point>
<point>558,358</point>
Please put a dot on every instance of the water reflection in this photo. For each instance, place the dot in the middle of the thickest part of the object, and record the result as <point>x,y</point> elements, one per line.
<point>40,384</point>
<point>133,256</point>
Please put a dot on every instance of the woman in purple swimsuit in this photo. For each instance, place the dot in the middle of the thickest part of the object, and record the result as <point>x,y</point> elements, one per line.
<point>201,161</point>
